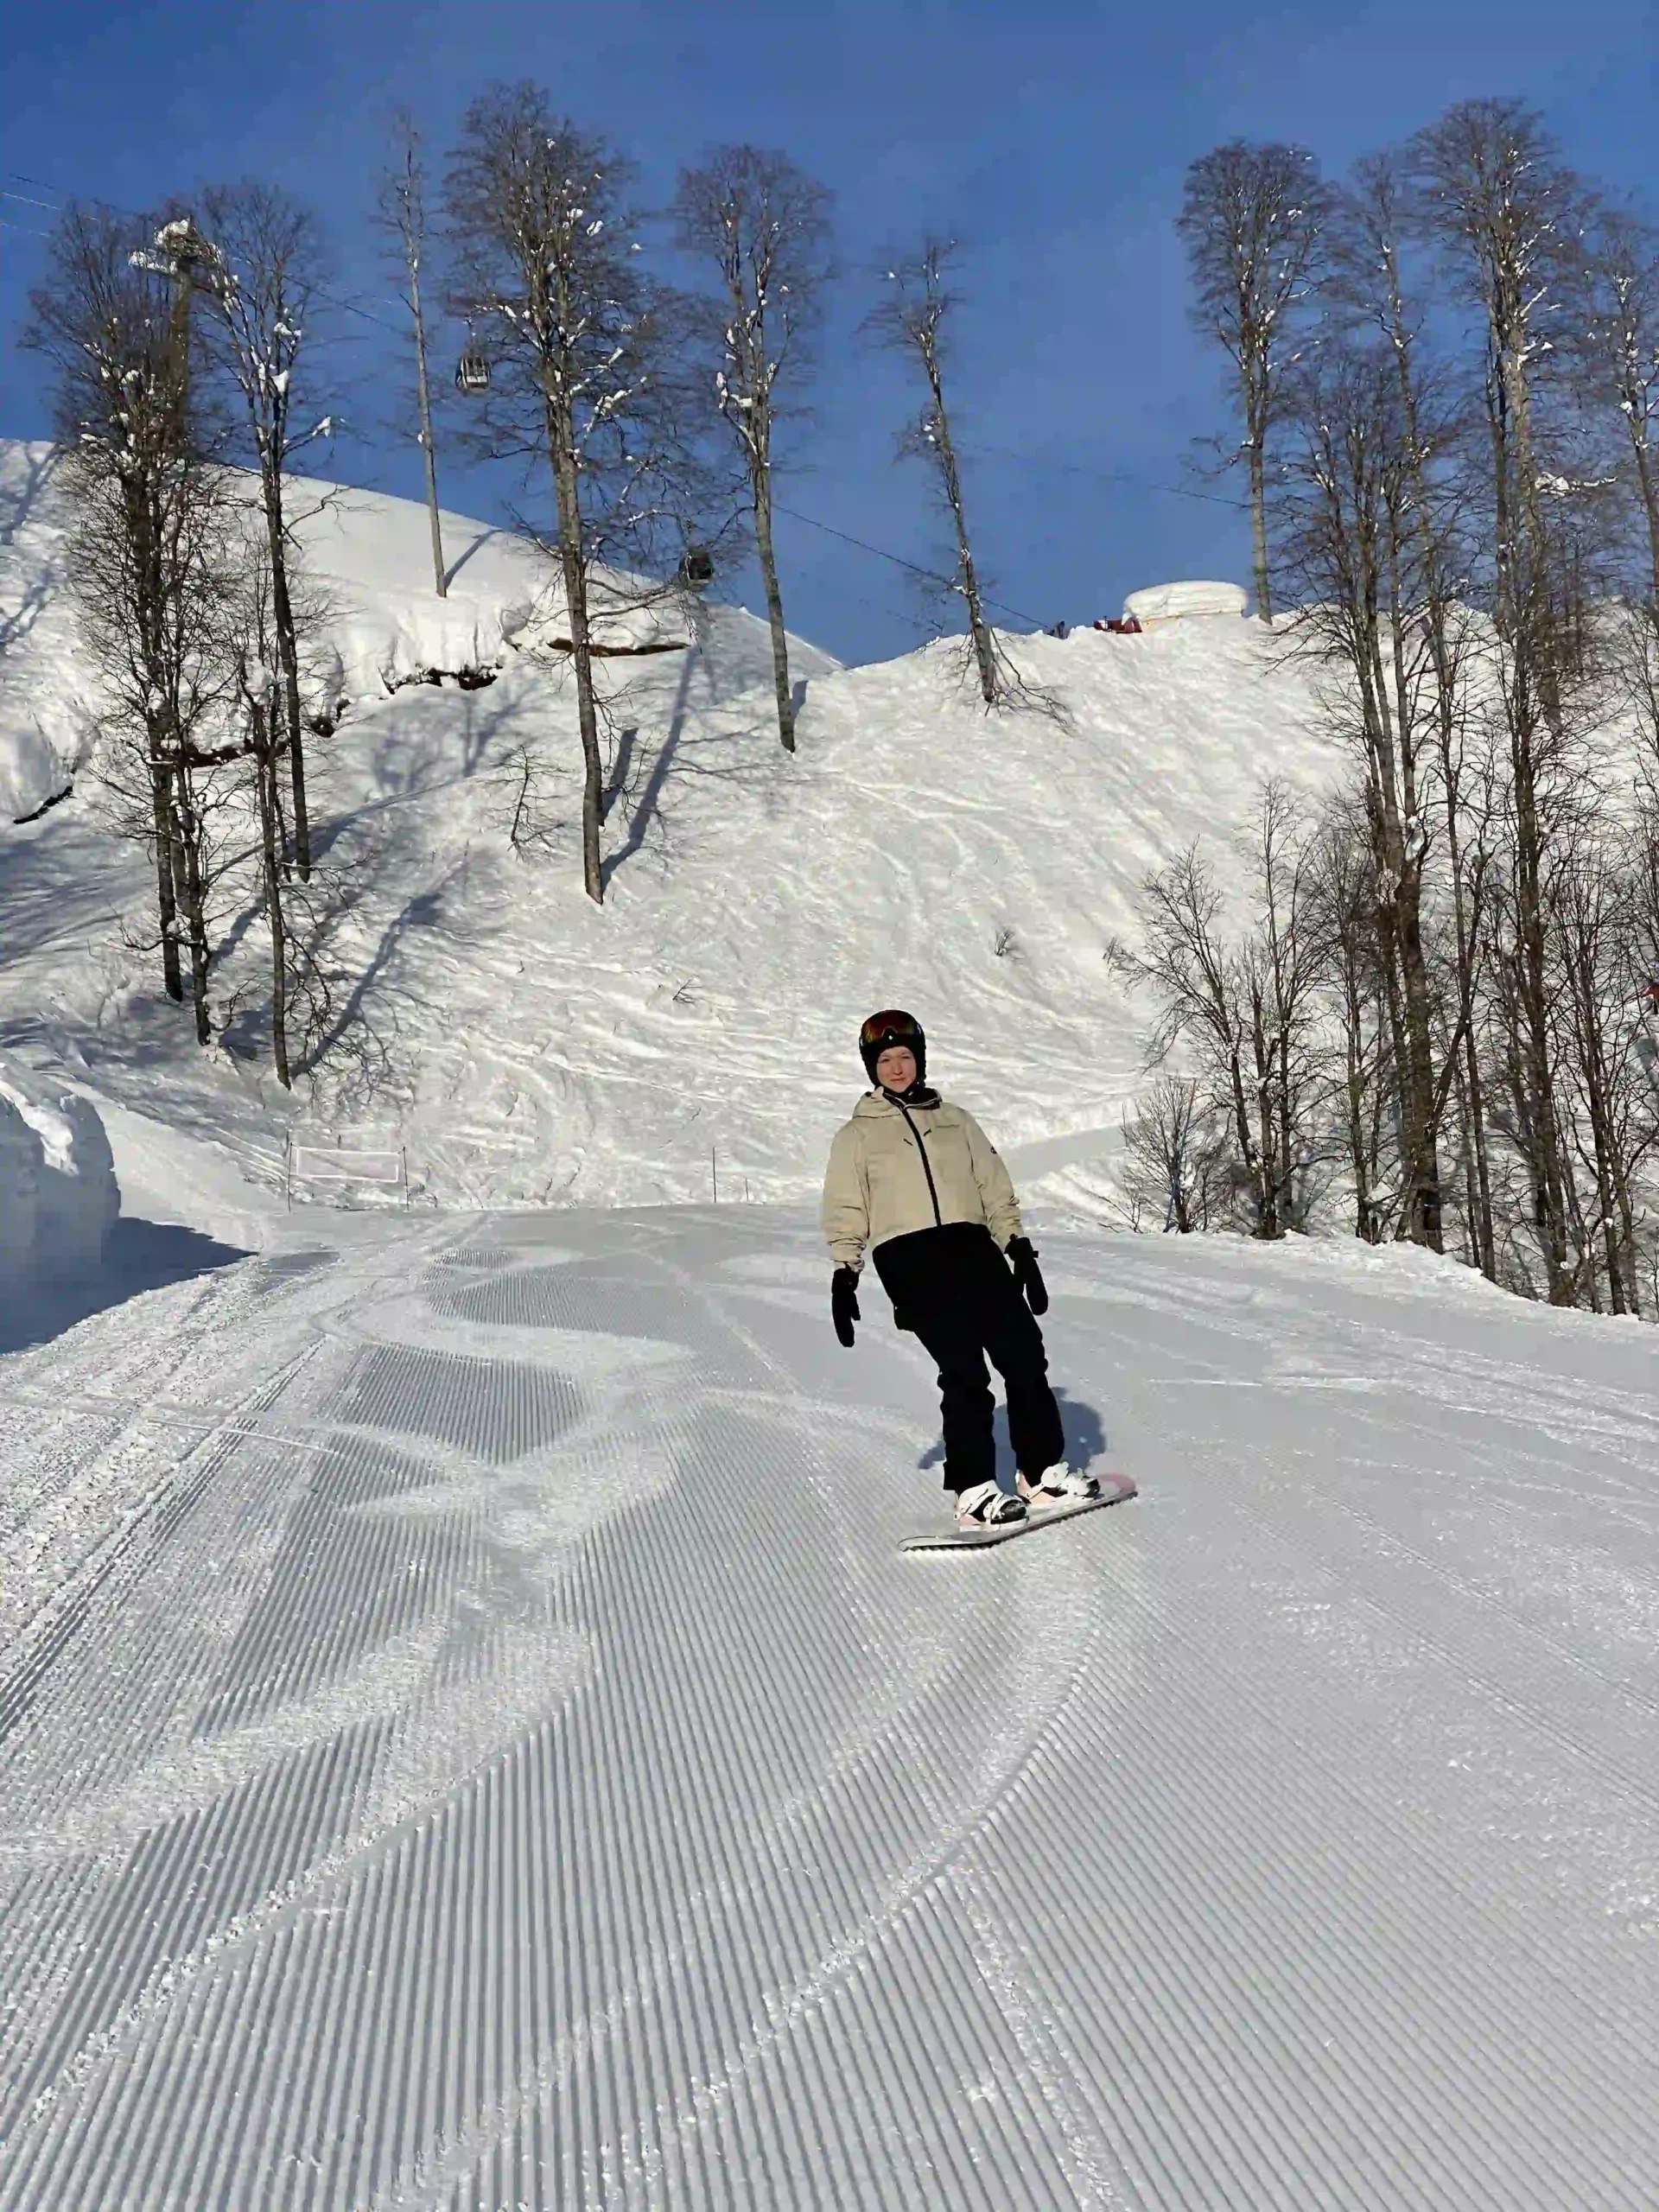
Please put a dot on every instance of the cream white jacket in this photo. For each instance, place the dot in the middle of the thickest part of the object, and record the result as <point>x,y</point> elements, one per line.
<point>895,1169</point>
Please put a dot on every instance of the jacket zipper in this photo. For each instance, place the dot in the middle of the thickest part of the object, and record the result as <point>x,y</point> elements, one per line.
<point>927,1167</point>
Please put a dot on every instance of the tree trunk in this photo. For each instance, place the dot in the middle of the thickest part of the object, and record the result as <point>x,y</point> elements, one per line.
<point>1649,489</point>
<point>265,774</point>
<point>1270,1168</point>
<point>139,523</point>
<point>1465,927</point>
<point>1533,979</point>
<point>761,477</point>
<point>1422,1219</point>
<point>288,653</point>
<point>984,651</point>
<point>167,905</point>
<point>575,568</point>
<point>440,582</point>
<point>1484,1234</point>
<point>1255,442</point>
<point>1627,1238</point>
<point>193,900</point>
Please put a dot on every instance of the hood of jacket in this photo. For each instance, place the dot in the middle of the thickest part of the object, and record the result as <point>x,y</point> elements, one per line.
<point>881,1102</point>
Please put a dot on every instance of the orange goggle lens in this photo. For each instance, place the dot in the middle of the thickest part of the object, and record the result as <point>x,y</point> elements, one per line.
<point>901,1027</point>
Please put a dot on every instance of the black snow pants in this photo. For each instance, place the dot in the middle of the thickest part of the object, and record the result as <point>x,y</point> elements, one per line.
<point>953,1288</point>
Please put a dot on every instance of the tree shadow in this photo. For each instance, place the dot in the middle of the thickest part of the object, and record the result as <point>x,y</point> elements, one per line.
<point>621,769</point>
<point>17,622</point>
<point>53,885</point>
<point>477,546</point>
<point>420,911</point>
<point>650,799</point>
<point>728,755</point>
<point>413,754</point>
<point>138,1256</point>
<point>18,503</point>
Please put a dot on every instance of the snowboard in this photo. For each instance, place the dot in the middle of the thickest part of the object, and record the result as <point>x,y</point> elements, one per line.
<point>1113,1489</point>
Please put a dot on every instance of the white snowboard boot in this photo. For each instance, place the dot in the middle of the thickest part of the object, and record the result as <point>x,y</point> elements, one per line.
<point>1058,1485</point>
<point>985,1506</point>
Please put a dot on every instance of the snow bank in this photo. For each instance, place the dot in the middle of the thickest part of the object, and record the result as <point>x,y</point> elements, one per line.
<point>192,1180</point>
<point>1174,602</point>
<point>59,1197</point>
<point>46,713</point>
<point>367,563</point>
<point>32,773</point>
<point>386,623</point>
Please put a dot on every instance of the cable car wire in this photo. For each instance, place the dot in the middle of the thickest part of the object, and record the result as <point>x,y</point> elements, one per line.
<point>932,575</point>
<point>1105,475</point>
<point>117,207</point>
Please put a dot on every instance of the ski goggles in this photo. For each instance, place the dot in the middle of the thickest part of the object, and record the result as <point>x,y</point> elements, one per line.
<point>893,1028</point>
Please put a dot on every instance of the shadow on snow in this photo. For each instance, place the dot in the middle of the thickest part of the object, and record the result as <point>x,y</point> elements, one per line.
<point>138,1256</point>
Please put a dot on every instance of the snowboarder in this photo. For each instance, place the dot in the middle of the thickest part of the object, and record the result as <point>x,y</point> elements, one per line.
<point>916,1181</point>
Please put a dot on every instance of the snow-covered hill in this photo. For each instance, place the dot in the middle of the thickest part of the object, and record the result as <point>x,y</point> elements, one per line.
<point>522,1045</point>
<point>467,1731</point>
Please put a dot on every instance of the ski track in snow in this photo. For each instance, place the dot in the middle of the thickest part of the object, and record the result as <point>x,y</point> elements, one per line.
<point>481,1747</point>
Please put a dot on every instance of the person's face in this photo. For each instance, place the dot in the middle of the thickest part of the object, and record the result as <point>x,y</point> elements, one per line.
<point>895,1070</point>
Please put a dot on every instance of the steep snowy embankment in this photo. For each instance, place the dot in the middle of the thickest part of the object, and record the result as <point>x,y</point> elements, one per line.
<point>522,1047</point>
<point>47,695</point>
<point>59,1197</point>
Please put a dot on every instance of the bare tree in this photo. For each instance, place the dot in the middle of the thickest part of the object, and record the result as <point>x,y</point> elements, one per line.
<point>1354,987</point>
<point>260,274</point>
<point>587,358</point>
<point>912,319</point>
<point>1184,960</point>
<point>149,503</point>
<point>300,993</point>
<point>1455,526</point>
<point>1505,215</point>
<point>766,228</point>
<point>1173,1151</point>
<point>1620,342</point>
<point>1596,922</point>
<point>1371,233</point>
<point>1252,218</point>
<point>1246,1010</point>
<point>1352,545</point>
<point>400,210</point>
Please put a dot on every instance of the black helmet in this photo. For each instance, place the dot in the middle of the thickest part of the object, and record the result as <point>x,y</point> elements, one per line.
<point>892,1026</point>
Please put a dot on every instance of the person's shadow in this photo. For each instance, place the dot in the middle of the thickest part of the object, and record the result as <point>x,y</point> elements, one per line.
<point>1085,1438</point>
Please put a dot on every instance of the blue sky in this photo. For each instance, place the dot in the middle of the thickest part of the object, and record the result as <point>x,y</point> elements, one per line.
<point>1050,138</point>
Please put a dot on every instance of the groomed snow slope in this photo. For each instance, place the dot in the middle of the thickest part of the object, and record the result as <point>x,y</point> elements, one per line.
<point>524,1047</point>
<point>483,1749</point>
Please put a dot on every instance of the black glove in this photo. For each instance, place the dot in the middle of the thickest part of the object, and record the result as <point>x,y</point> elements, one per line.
<point>843,1302</point>
<point>1023,1260</point>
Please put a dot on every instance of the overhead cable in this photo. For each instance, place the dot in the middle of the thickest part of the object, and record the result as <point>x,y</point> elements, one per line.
<point>1108,475</point>
<point>933,575</point>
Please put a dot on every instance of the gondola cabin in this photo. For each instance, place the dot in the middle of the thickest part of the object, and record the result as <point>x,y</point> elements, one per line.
<point>472,371</point>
